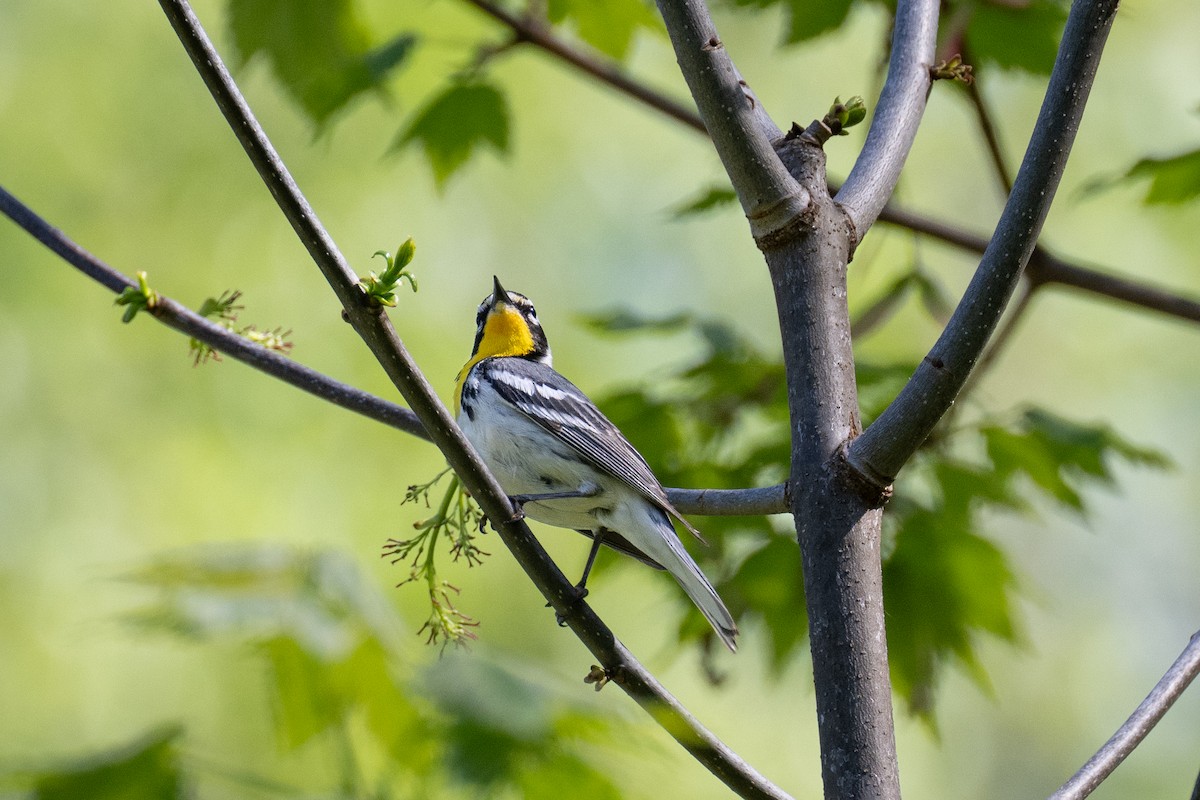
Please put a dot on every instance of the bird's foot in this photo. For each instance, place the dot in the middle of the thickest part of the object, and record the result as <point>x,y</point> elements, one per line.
<point>578,593</point>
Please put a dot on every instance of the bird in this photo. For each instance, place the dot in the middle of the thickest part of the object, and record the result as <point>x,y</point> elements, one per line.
<point>560,460</point>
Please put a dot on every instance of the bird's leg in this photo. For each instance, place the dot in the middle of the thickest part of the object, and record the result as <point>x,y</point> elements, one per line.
<point>597,540</point>
<point>581,587</point>
<point>585,490</point>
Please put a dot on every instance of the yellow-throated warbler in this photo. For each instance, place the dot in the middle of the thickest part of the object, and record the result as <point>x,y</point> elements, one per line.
<point>563,461</point>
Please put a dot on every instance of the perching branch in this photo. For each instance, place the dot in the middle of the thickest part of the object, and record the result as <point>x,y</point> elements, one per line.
<point>704,502</point>
<point>873,178</point>
<point>1140,723</point>
<point>892,439</point>
<point>376,329</point>
<point>774,202</point>
<point>731,502</point>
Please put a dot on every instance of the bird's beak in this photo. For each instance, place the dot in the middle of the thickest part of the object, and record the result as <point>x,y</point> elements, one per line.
<point>499,295</point>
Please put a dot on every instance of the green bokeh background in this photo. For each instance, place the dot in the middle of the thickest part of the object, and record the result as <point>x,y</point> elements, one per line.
<point>114,448</point>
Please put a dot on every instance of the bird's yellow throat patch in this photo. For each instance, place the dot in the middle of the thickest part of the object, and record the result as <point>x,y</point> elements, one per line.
<point>505,333</point>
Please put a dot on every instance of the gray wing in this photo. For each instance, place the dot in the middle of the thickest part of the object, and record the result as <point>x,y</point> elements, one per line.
<point>557,405</point>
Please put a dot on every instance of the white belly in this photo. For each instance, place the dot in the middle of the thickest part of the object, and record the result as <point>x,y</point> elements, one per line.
<point>527,460</point>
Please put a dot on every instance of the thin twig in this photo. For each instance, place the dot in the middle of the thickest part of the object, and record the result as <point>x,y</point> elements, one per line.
<point>895,435</point>
<point>1045,268</point>
<point>1140,723</point>
<point>871,182</point>
<point>991,136</point>
<point>537,33</point>
<point>731,502</point>
<point>376,329</point>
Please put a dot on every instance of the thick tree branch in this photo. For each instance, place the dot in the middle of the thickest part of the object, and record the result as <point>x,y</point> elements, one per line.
<point>376,329</point>
<point>837,531</point>
<point>775,204</point>
<point>873,178</point>
<point>1140,723</point>
<point>891,440</point>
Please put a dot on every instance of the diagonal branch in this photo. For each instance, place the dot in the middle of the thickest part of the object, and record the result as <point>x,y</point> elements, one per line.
<point>873,178</point>
<point>991,135</point>
<point>1046,269</point>
<point>774,202</point>
<point>177,316</point>
<point>891,440</point>
<point>376,329</point>
<point>1141,722</point>
<point>536,32</point>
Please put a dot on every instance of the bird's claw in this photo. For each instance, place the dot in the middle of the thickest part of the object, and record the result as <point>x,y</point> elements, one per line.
<point>578,594</point>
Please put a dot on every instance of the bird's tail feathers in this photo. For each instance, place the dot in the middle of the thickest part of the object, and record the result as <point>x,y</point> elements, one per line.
<point>697,587</point>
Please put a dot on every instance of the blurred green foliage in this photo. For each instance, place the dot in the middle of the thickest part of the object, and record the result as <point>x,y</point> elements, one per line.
<point>721,421</point>
<point>336,671</point>
<point>320,50</point>
<point>147,769</point>
<point>455,124</point>
<point>609,27</point>
<point>340,685</point>
<point>1172,180</point>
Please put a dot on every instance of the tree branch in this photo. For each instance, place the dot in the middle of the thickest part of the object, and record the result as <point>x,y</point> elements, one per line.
<point>537,33</point>
<point>1046,269</point>
<point>991,136</point>
<point>1140,723</point>
<point>704,502</point>
<point>183,319</point>
<point>873,178</point>
<point>731,502</point>
<point>837,531</point>
<point>891,440</point>
<point>376,329</point>
<point>1064,274</point>
<point>775,204</point>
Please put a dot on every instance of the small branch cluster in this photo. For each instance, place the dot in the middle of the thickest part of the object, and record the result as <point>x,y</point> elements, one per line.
<point>381,289</point>
<point>137,298</point>
<point>953,69</point>
<point>223,310</point>
<point>457,519</point>
<point>835,122</point>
